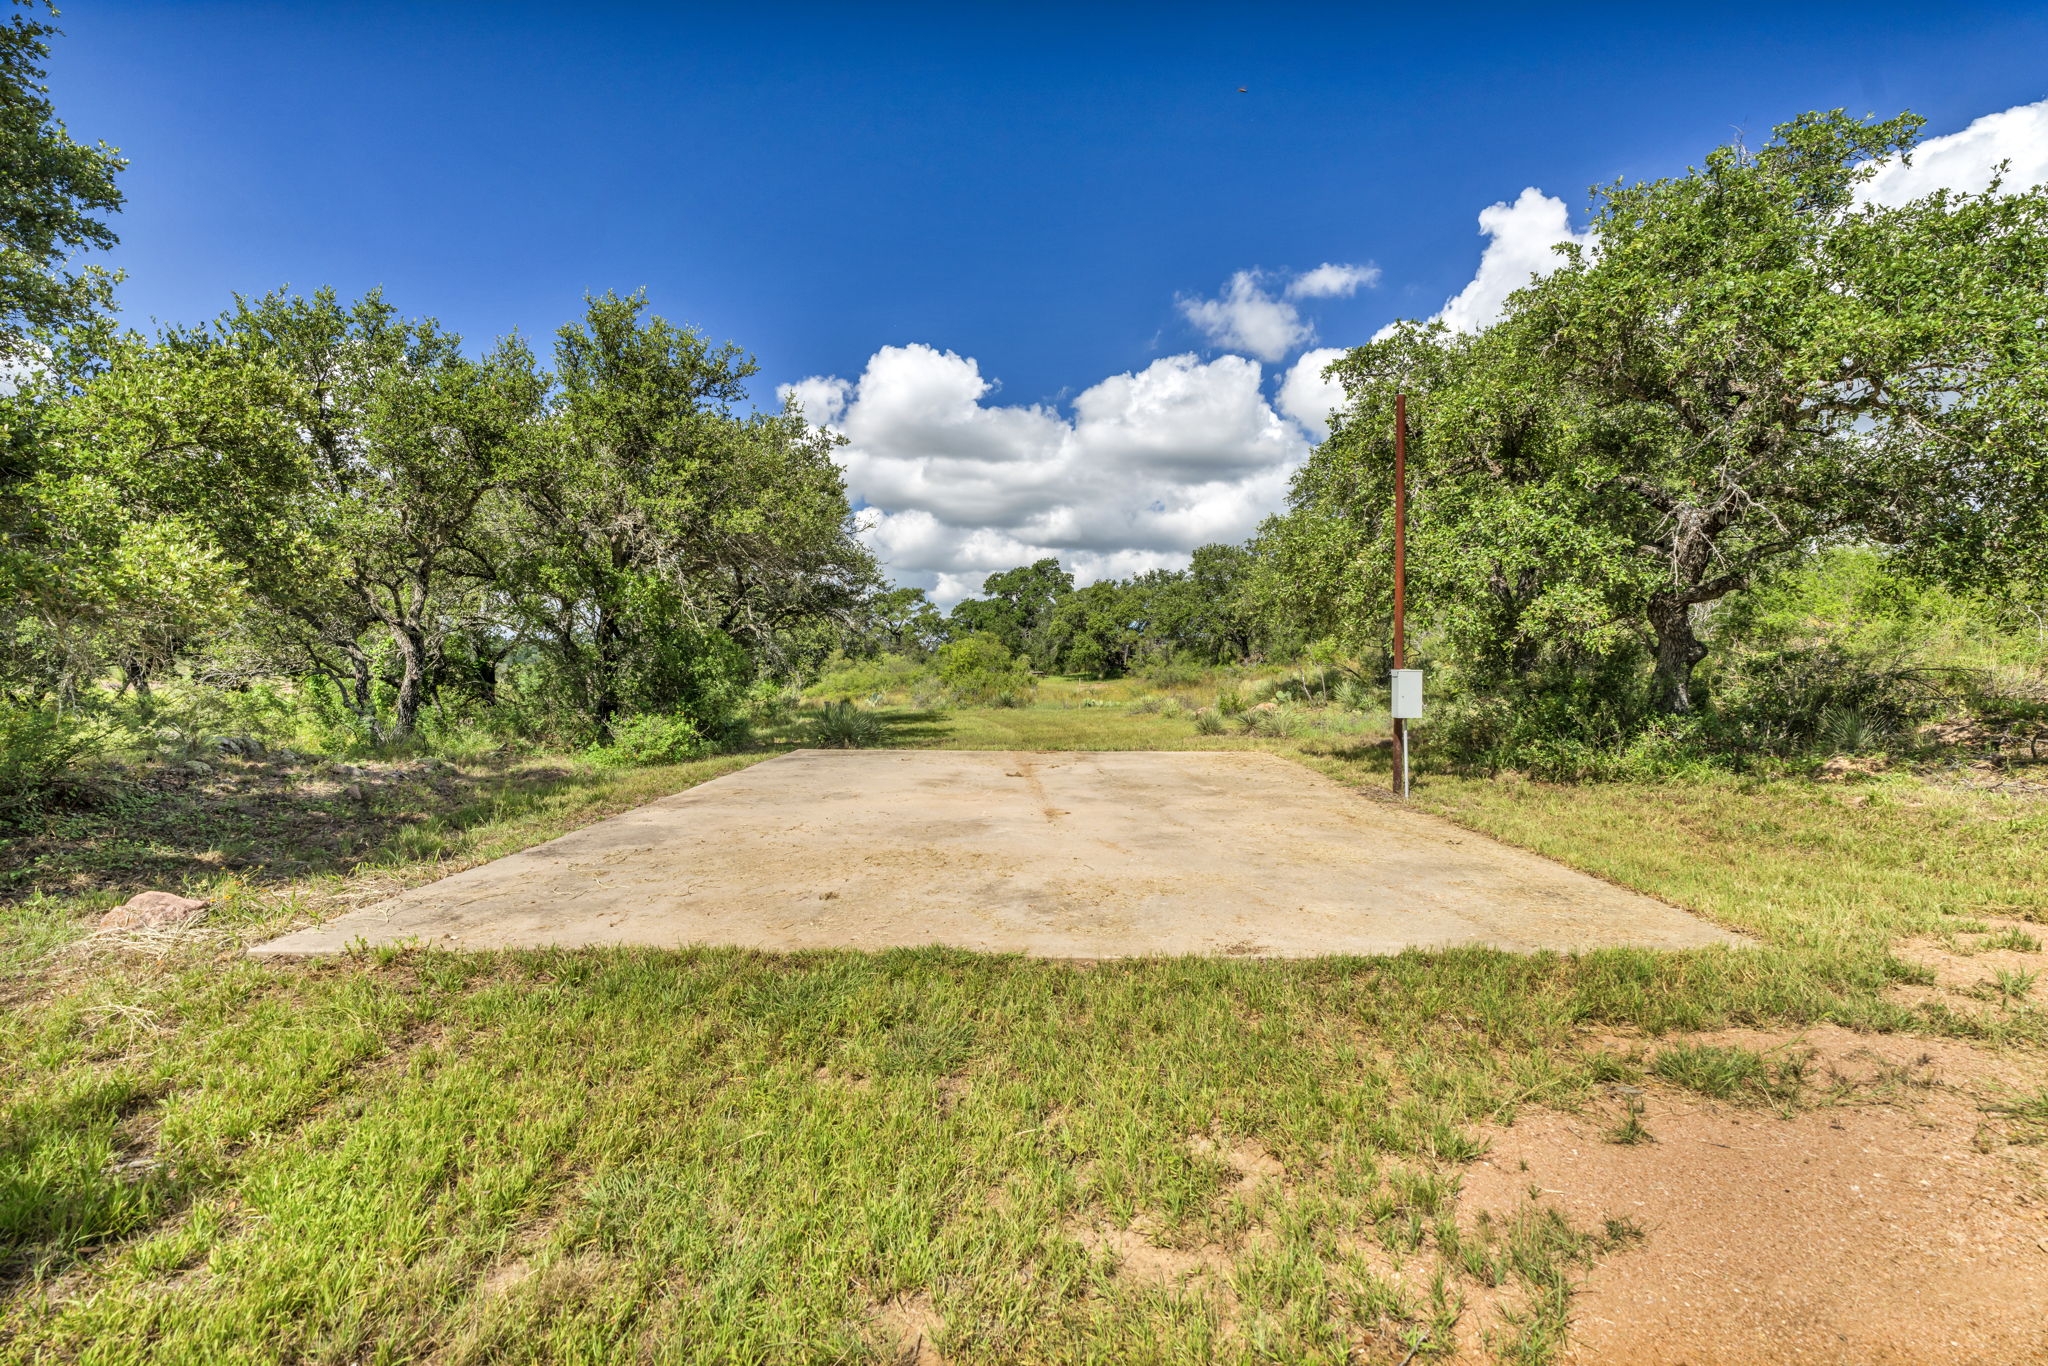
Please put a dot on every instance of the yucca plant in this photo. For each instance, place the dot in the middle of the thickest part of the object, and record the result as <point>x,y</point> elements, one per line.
<point>842,725</point>
<point>1846,730</point>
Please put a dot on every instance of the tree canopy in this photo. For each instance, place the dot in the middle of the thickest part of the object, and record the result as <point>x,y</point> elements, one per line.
<point>55,198</point>
<point>1752,361</point>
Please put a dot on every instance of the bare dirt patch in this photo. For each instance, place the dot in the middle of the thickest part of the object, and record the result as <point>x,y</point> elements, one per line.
<point>1900,1229</point>
<point>1982,966</point>
<point>1251,1165</point>
<point>904,1326</point>
<point>1137,1257</point>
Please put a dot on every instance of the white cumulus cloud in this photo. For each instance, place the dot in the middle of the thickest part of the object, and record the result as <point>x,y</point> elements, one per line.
<point>1307,396</point>
<point>1331,281</point>
<point>1250,317</point>
<point>1968,160</point>
<point>1143,467</point>
<point>1147,466</point>
<point>821,399</point>
<point>1523,238</point>
<point>1245,317</point>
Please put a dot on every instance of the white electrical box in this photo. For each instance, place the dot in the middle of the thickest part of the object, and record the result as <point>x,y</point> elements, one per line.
<point>1407,692</point>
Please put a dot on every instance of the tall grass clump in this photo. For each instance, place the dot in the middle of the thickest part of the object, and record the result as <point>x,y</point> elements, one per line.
<point>42,754</point>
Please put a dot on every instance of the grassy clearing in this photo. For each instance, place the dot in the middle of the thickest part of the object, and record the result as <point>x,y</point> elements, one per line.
<point>729,1157</point>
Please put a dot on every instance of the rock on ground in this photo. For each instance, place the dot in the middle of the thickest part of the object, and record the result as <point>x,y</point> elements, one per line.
<point>151,910</point>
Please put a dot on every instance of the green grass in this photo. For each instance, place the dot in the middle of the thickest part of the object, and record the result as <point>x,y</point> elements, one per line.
<point>720,1156</point>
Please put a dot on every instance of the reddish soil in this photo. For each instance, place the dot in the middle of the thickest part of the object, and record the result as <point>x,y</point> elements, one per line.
<point>1973,974</point>
<point>1900,1226</point>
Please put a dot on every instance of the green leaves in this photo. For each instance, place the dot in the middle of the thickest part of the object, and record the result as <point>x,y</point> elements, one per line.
<point>54,198</point>
<point>1749,362</point>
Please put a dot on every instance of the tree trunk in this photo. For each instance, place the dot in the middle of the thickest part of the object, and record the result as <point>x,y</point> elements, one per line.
<point>365,700</point>
<point>1678,649</point>
<point>604,688</point>
<point>412,660</point>
<point>135,674</point>
<point>486,666</point>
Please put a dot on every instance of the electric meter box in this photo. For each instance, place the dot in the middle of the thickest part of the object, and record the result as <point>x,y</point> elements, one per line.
<point>1407,691</point>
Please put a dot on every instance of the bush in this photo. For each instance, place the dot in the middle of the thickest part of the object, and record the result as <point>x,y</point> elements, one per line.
<point>41,750</point>
<point>1167,671</point>
<point>842,725</point>
<point>638,741</point>
<point>1355,695</point>
<point>1209,722</point>
<point>979,669</point>
<point>844,679</point>
<point>1271,721</point>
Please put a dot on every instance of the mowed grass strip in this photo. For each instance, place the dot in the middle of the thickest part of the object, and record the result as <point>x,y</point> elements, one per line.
<point>721,1156</point>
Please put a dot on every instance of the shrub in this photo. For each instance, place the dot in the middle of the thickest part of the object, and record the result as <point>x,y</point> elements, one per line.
<point>1209,722</point>
<point>1355,695</point>
<point>844,679</point>
<point>652,739</point>
<point>41,750</point>
<point>979,669</point>
<point>842,725</point>
<point>1271,721</point>
<point>770,701</point>
<point>1230,701</point>
<point>1169,672</point>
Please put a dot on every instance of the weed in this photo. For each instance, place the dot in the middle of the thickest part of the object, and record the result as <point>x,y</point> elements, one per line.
<point>2014,984</point>
<point>1622,1232</point>
<point>1630,1130</point>
<point>2014,938</point>
<point>2027,1115</point>
<point>1726,1073</point>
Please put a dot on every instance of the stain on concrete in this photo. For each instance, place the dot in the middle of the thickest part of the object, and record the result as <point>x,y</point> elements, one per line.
<point>1091,855</point>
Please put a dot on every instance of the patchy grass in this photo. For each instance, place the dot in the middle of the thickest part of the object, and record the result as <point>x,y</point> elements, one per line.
<point>565,1156</point>
<point>273,822</point>
<point>725,1156</point>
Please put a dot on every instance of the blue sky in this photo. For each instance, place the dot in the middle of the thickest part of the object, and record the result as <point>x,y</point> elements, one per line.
<point>1045,193</point>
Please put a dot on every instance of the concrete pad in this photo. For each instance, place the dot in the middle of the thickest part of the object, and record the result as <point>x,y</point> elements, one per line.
<point>1095,855</point>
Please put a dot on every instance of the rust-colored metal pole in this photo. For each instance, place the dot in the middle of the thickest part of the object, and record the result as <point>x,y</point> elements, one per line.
<point>1400,575</point>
